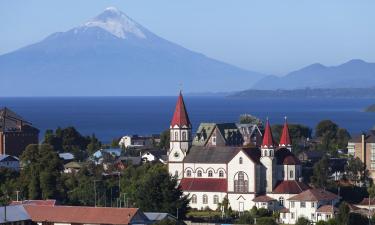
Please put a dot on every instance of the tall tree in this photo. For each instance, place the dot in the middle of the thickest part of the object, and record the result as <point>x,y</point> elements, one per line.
<point>356,171</point>
<point>164,139</point>
<point>320,176</point>
<point>343,215</point>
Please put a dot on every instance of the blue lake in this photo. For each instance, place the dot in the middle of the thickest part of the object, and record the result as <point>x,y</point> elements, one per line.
<point>111,117</point>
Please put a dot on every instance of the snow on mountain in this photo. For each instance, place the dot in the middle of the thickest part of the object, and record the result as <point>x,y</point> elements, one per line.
<point>117,23</point>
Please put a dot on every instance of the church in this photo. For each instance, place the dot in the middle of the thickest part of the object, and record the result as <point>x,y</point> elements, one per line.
<point>266,176</point>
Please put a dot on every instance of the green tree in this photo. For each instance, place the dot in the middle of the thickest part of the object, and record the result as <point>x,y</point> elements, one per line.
<point>94,145</point>
<point>321,222</point>
<point>164,139</point>
<point>115,143</point>
<point>326,127</point>
<point>302,221</point>
<point>356,171</point>
<point>320,177</point>
<point>343,214</point>
<point>342,138</point>
<point>246,218</point>
<point>249,119</point>
<point>41,172</point>
<point>266,221</point>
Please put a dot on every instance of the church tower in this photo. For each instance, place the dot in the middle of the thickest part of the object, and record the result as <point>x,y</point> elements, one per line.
<point>268,159</point>
<point>285,141</point>
<point>180,138</point>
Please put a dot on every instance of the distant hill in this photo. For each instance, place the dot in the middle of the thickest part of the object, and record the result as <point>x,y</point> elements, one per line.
<point>112,54</point>
<point>353,74</point>
<point>308,93</point>
<point>371,108</point>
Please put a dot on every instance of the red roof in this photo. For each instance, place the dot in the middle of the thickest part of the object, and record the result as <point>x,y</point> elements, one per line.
<point>290,187</point>
<point>285,137</point>
<point>204,184</point>
<point>316,194</point>
<point>263,198</point>
<point>81,215</point>
<point>48,202</point>
<point>327,209</point>
<point>180,116</point>
<point>365,201</point>
<point>267,137</point>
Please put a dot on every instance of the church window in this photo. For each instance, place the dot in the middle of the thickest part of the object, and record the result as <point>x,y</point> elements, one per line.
<point>240,160</point>
<point>265,152</point>
<point>281,201</point>
<point>184,136</point>
<point>291,174</point>
<point>240,184</point>
<point>199,173</point>
<point>188,173</point>
<point>205,199</point>
<point>210,173</point>
<point>216,199</point>
<point>194,199</point>
<point>172,136</point>
<point>176,136</point>
<point>221,173</point>
<point>271,153</point>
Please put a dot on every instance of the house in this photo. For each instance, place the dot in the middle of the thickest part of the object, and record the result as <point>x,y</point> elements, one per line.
<point>154,156</point>
<point>72,167</point>
<point>313,204</point>
<point>136,141</point>
<point>363,147</point>
<point>267,176</point>
<point>66,157</point>
<point>124,161</point>
<point>14,215</point>
<point>115,152</point>
<point>366,203</point>
<point>79,215</point>
<point>310,156</point>
<point>10,162</point>
<point>15,133</point>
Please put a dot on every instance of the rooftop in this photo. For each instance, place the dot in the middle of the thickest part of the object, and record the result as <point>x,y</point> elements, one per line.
<point>204,184</point>
<point>314,195</point>
<point>290,187</point>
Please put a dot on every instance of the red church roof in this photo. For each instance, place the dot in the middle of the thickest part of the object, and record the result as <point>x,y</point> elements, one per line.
<point>290,187</point>
<point>267,137</point>
<point>204,184</point>
<point>180,116</point>
<point>285,137</point>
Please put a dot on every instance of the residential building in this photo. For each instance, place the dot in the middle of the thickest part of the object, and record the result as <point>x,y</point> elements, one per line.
<point>155,156</point>
<point>14,215</point>
<point>10,162</point>
<point>210,170</point>
<point>156,217</point>
<point>136,141</point>
<point>79,215</point>
<point>15,133</point>
<point>72,167</point>
<point>363,147</point>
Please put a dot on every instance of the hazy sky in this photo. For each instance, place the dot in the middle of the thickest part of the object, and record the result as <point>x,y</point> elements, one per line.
<point>267,36</point>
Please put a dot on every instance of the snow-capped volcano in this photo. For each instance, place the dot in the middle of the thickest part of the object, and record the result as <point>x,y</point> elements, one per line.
<point>117,23</point>
<point>111,54</point>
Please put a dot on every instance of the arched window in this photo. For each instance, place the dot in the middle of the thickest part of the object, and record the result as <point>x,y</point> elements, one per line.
<point>176,136</point>
<point>291,174</point>
<point>205,199</point>
<point>221,173</point>
<point>184,136</point>
<point>210,173</point>
<point>171,135</point>
<point>216,199</point>
<point>176,173</point>
<point>240,182</point>
<point>240,160</point>
<point>271,153</point>
<point>188,173</point>
<point>199,173</point>
<point>194,199</point>
<point>265,152</point>
<point>281,201</point>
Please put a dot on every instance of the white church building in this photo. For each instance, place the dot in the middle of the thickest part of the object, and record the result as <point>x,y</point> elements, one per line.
<point>268,176</point>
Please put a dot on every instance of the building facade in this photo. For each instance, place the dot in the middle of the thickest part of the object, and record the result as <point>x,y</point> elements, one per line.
<point>268,176</point>
<point>15,133</point>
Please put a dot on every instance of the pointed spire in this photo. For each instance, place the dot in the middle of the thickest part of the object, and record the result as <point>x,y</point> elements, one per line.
<point>267,137</point>
<point>180,116</point>
<point>285,137</point>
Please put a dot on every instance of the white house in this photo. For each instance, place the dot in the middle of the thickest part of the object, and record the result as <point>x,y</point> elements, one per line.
<point>10,162</point>
<point>266,177</point>
<point>135,141</point>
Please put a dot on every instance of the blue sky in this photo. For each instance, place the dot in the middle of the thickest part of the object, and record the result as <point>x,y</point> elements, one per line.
<point>269,36</point>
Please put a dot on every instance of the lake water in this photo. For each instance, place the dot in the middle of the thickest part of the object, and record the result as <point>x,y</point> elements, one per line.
<point>110,117</point>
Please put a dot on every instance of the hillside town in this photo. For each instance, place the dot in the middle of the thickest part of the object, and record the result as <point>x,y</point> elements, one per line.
<point>245,172</point>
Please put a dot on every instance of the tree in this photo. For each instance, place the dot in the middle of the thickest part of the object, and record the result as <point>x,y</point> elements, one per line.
<point>343,215</point>
<point>266,221</point>
<point>249,119</point>
<point>164,139</point>
<point>302,221</point>
<point>342,137</point>
<point>41,173</point>
<point>326,127</point>
<point>320,175</point>
<point>115,143</point>
<point>246,218</point>
<point>94,145</point>
<point>356,171</point>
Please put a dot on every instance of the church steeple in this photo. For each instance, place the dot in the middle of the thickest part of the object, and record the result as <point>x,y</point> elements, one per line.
<point>285,140</point>
<point>180,116</point>
<point>267,137</point>
<point>268,159</point>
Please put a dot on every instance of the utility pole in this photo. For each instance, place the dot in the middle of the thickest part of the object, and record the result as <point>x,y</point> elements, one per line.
<point>17,192</point>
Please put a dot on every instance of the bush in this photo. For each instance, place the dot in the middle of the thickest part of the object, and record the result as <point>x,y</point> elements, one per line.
<point>303,221</point>
<point>266,221</point>
<point>246,218</point>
